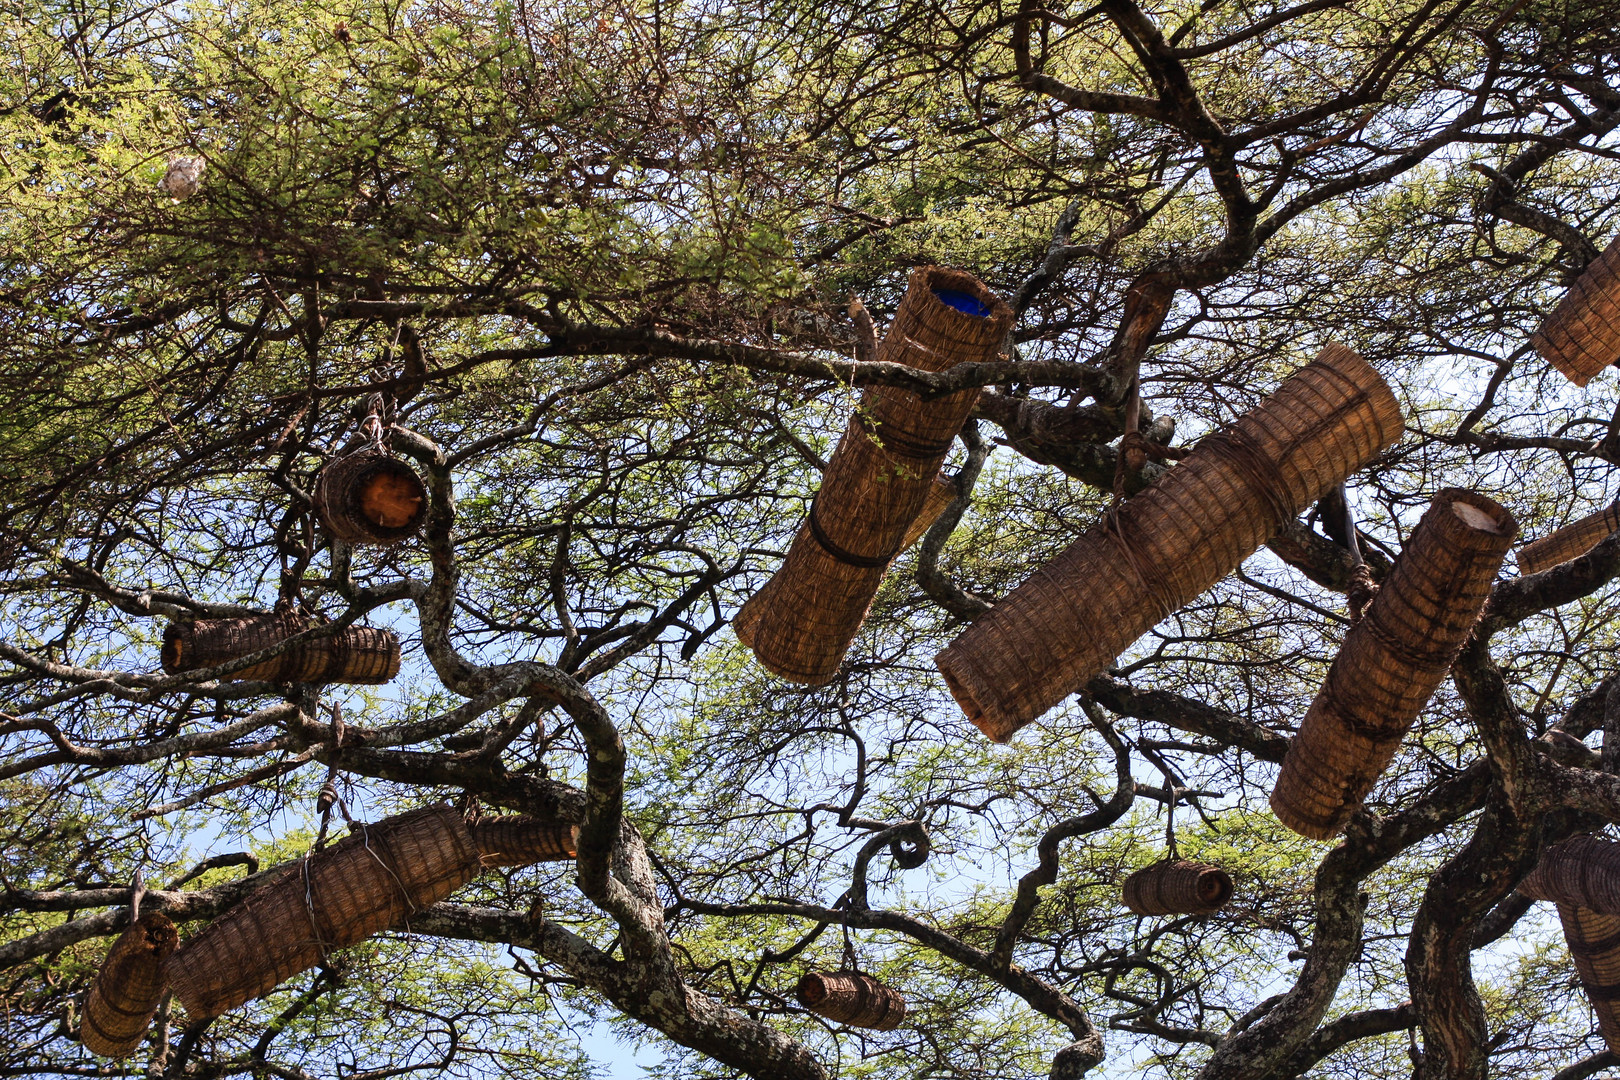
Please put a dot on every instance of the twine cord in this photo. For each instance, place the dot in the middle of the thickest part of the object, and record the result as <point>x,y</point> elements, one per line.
<point>838,552</point>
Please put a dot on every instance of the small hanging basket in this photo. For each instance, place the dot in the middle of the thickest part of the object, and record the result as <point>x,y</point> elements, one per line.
<point>1583,870</point>
<point>128,988</point>
<point>372,880</point>
<point>1177,887</point>
<point>1594,945</point>
<point>849,997</point>
<point>1582,335</point>
<point>520,841</point>
<point>361,655</point>
<point>370,497</point>
<point>1570,542</point>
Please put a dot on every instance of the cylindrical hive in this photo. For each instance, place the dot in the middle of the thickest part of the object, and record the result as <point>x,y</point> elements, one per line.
<point>370,498</point>
<point>1165,546</point>
<point>848,997</point>
<point>372,880</point>
<point>877,483</point>
<point>1177,888</point>
<point>128,988</point>
<point>941,493</point>
<point>1572,541</point>
<point>1583,870</point>
<point>355,654</point>
<point>1392,661</point>
<point>519,841</point>
<point>1594,945</point>
<point>1582,335</point>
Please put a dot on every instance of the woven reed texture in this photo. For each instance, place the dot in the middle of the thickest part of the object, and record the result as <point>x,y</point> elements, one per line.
<point>1165,546</point>
<point>1177,888</point>
<point>128,988</point>
<point>1594,944</point>
<point>356,654</point>
<point>941,493</point>
<point>519,841</point>
<point>1570,542</point>
<point>1583,870</point>
<point>370,498</point>
<point>848,997</point>
<point>876,485</point>
<point>373,880</point>
<point>1392,661</point>
<point>1582,335</point>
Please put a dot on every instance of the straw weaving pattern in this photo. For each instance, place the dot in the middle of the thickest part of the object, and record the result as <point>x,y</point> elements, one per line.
<point>519,841</point>
<point>1583,870</point>
<point>128,988</point>
<point>1177,888</point>
<point>848,997</point>
<point>876,485</point>
<point>1594,945</point>
<point>356,654</point>
<point>370,498</point>
<point>1392,661</point>
<point>1162,548</point>
<point>373,880</point>
<point>1570,542</point>
<point>941,493</point>
<point>1582,335</point>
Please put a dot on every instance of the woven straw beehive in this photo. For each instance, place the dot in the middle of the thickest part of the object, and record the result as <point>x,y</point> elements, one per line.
<point>1164,547</point>
<point>1177,888</point>
<point>372,880</point>
<point>941,493</point>
<point>1594,945</point>
<point>128,988</point>
<point>1583,870</point>
<point>1570,542</point>
<point>519,841</point>
<point>356,654</point>
<point>1582,335</point>
<point>1392,661</point>
<point>849,997</point>
<point>370,498</point>
<point>877,483</point>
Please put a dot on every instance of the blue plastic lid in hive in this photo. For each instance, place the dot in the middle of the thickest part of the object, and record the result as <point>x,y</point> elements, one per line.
<point>966,303</point>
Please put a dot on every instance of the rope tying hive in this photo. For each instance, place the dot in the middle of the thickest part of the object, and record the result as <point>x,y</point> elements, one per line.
<point>519,841</point>
<point>877,484</point>
<point>370,498</point>
<point>1594,945</point>
<point>1582,335</point>
<point>849,997</point>
<point>1570,542</point>
<point>1165,546</point>
<point>128,988</point>
<point>1177,888</point>
<point>1583,870</point>
<point>373,880</point>
<point>355,654</point>
<point>1392,661</point>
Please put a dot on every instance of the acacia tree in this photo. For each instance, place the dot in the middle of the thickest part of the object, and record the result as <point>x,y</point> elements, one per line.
<point>591,261</point>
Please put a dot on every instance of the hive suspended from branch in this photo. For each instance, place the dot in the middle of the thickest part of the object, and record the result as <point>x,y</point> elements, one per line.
<point>370,497</point>
<point>1392,661</point>
<point>1594,944</point>
<point>519,841</point>
<point>876,485</point>
<point>1583,870</point>
<point>1582,335</point>
<point>1179,887</point>
<point>128,988</point>
<point>1159,550</point>
<point>941,493</point>
<point>355,654</point>
<point>372,880</point>
<point>849,997</point>
<point>1570,542</point>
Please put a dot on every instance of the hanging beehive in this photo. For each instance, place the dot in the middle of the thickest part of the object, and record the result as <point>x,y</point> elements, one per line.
<point>1165,546</point>
<point>1570,542</point>
<point>519,841</point>
<point>355,654</point>
<point>1594,945</point>
<point>849,997</point>
<point>876,485</point>
<point>126,992</point>
<point>372,880</point>
<point>1177,887</point>
<point>941,493</point>
<point>1583,870</point>
<point>1392,661</point>
<point>369,497</point>
<point>1582,335</point>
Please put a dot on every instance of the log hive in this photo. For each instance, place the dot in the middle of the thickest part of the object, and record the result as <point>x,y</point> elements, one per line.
<point>1177,888</point>
<point>370,498</point>
<point>1165,546</point>
<point>849,997</point>
<point>1570,542</point>
<point>520,841</point>
<point>356,654</point>
<point>1594,945</point>
<point>128,988</point>
<point>1582,335</point>
<point>1392,661</point>
<point>1583,870</point>
<point>877,484</point>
